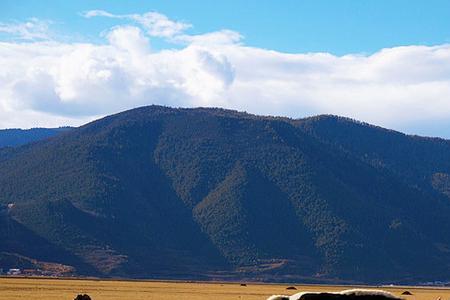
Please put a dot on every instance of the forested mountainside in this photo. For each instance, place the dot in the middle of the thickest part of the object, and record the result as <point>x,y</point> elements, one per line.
<point>157,192</point>
<point>18,137</point>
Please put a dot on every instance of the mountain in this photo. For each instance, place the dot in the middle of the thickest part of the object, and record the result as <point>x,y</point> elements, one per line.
<point>18,137</point>
<point>157,192</point>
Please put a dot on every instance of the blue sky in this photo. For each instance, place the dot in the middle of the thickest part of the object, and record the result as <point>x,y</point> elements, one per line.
<point>382,62</point>
<point>338,27</point>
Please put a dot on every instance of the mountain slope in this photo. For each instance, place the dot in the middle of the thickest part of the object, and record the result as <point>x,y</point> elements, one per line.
<point>18,137</point>
<point>189,193</point>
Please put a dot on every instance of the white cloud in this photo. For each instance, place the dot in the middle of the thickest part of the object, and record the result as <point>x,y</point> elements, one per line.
<point>85,80</point>
<point>222,37</point>
<point>159,25</point>
<point>52,83</point>
<point>156,24</point>
<point>97,13</point>
<point>33,29</point>
<point>129,38</point>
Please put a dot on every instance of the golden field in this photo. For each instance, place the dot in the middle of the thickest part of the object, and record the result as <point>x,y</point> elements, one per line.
<point>63,289</point>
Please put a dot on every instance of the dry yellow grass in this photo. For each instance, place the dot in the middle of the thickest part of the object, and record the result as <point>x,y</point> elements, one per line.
<point>59,289</point>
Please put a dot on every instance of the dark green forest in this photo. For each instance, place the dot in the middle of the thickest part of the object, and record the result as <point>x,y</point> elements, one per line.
<point>18,137</point>
<point>157,192</point>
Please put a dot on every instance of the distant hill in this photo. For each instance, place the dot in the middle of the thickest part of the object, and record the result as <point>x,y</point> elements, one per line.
<point>18,137</point>
<point>157,192</point>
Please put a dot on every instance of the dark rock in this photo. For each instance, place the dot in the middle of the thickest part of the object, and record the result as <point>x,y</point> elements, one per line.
<point>407,293</point>
<point>355,294</point>
<point>335,296</point>
<point>82,297</point>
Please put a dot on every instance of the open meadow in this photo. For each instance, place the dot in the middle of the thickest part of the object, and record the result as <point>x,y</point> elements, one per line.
<point>61,289</point>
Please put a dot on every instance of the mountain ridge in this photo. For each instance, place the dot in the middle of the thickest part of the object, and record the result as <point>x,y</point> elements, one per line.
<point>13,137</point>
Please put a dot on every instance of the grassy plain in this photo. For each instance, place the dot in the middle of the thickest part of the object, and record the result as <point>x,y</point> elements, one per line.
<point>61,289</point>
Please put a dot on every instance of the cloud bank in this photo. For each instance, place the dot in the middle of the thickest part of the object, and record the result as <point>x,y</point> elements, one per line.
<point>51,83</point>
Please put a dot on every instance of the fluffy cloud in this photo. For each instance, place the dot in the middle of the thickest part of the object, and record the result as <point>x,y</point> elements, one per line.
<point>159,25</point>
<point>74,80</point>
<point>48,83</point>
